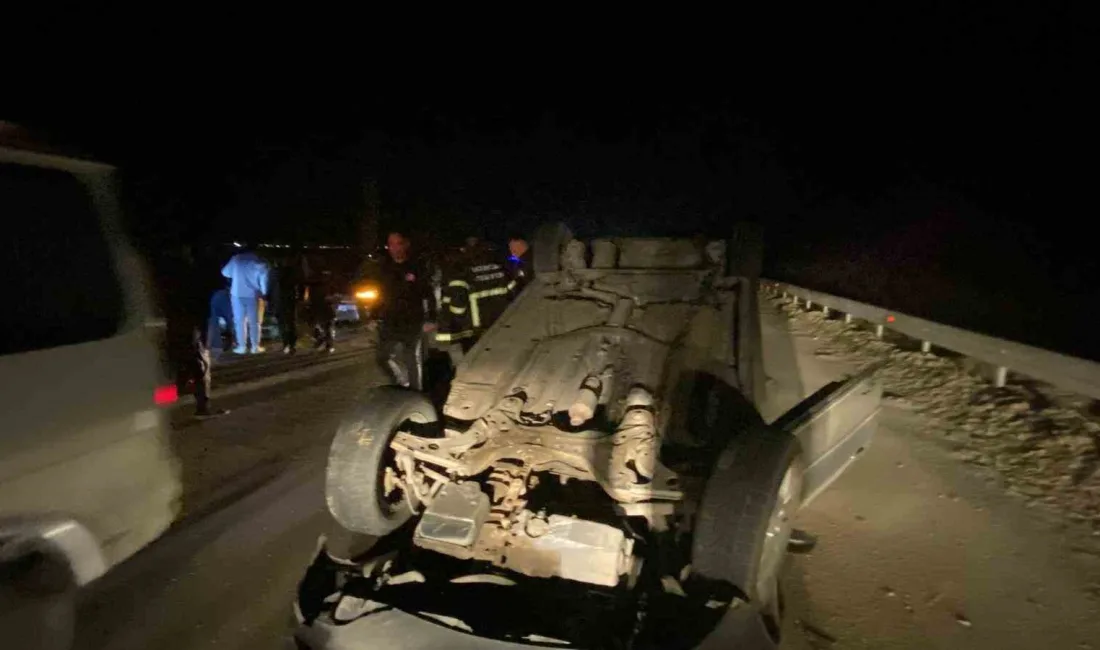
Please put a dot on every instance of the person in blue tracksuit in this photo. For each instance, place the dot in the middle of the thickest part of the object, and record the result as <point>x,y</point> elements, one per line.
<point>248,276</point>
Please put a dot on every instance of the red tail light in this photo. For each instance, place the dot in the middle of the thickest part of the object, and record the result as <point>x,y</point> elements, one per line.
<point>164,395</point>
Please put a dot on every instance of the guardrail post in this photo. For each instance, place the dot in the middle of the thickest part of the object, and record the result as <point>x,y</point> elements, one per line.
<point>926,346</point>
<point>825,311</point>
<point>879,330</point>
<point>847,318</point>
<point>784,295</point>
<point>1000,377</point>
<point>809,304</point>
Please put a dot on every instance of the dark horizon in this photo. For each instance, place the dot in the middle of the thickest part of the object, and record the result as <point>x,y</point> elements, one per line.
<point>933,164</point>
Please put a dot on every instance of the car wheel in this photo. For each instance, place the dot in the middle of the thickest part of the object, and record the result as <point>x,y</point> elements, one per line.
<point>744,520</point>
<point>360,487</point>
<point>547,245</point>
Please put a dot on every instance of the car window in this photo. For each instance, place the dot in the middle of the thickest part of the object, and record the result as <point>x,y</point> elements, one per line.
<point>58,283</point>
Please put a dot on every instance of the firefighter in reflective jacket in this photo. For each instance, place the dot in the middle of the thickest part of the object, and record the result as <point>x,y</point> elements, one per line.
<point>473,296</point>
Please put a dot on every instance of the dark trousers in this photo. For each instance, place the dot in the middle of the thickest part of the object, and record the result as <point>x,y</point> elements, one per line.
<point>219,307</point>
<point>402,355</point>
<point>288,323</point>
<point>192,361</point>
<point>322,320</point>
<point>324,334</point>
<point>200,356</point>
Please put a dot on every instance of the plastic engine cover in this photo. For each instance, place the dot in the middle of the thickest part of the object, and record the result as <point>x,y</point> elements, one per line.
<point>455,515</point>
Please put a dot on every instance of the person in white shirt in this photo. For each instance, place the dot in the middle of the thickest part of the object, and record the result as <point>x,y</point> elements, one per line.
<point>248,276</point>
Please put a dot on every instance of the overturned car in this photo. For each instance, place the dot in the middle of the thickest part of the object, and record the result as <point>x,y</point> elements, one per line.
<point>599,466</point>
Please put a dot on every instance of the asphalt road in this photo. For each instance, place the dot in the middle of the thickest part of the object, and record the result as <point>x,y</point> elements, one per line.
<point>916,551</point>
<point>225,576</point>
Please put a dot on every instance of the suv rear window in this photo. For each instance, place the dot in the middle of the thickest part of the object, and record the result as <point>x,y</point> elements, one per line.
<point>57,281</point>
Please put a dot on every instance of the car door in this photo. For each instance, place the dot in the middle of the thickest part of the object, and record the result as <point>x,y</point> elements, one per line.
<point>834,426</point>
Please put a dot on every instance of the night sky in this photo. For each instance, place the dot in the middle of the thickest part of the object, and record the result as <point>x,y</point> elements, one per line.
<point>934,160</point>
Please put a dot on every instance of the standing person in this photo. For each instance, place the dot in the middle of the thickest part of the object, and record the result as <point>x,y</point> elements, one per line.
<point>519,262</point>
<point>221,307</point>
<point>407,312</point>
<point>475,292</point>
<point>186,311</point>
<point>289,279</point>
<point>247,275</point>
<point>322,317</point>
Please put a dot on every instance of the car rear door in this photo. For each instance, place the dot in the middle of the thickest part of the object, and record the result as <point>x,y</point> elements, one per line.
<point>834,425</point>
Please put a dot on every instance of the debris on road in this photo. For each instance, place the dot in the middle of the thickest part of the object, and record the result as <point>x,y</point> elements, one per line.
<point>409,577</point>
<point>962,620</point>
<point>1043,444</point>
<point>672,586</point>
<point>816,632</point>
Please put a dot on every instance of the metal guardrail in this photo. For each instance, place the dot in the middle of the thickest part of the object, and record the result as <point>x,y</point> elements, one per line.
<point>1078,375</point>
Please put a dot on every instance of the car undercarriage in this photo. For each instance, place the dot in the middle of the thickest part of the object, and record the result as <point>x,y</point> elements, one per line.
<point>602,434</point>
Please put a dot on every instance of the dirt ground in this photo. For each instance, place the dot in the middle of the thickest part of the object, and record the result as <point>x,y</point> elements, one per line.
<point>919,546</point>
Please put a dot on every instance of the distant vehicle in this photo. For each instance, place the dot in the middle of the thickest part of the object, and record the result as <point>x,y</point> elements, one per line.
<point>364,295</point>
<point>351,310</point>
<point>599,475</point>
<point>87,475</point>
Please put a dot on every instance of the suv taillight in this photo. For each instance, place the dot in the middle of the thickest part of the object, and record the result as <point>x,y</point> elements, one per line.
<point>165,395</point>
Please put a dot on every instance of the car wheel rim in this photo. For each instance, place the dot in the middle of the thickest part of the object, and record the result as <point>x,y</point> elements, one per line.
<point>395,495</point>
<point>778,533</point>
<point>391,497</point>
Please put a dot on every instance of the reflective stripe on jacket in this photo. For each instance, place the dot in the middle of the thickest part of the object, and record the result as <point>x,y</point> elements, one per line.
<point>473,300</point>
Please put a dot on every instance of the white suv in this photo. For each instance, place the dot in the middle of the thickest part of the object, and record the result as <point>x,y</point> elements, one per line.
<point>87,477</point>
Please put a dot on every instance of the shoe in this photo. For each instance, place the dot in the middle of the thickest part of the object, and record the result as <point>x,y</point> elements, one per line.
<point>240,349</point>
<point>331,349</point>
<point>210,413</point>
<point>288,350</point>
<point>259,349</point>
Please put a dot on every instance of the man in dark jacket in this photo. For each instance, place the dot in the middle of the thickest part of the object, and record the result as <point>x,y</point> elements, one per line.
<point>407,312</point>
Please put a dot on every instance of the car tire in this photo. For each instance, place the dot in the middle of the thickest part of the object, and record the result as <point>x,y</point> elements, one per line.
<point>359,454</point>
<point>546,247</point>
<point>755,487</point>
<point>716,412</point>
